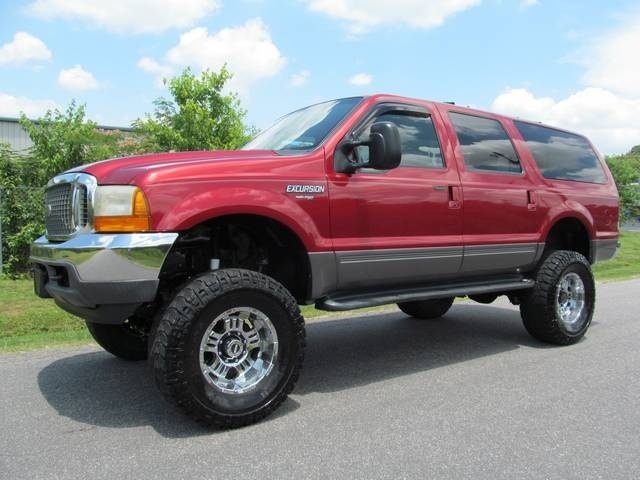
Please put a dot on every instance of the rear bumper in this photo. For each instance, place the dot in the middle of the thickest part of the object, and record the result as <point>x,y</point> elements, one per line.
<point>603,249</point>
<point>101,278</point>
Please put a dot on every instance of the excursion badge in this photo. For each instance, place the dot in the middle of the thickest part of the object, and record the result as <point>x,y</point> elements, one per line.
<point>304,192</point>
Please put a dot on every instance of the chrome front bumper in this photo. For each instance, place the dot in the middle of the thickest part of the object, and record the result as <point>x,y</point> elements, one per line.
<point>101,277</point>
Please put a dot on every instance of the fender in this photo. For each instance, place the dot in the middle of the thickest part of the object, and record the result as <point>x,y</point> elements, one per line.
<point>191,204</point>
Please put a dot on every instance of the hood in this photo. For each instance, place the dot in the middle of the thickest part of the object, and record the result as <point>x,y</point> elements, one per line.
<point>147,168</point>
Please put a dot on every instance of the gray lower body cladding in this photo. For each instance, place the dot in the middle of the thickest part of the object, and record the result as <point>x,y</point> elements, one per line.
<point>360,269</point>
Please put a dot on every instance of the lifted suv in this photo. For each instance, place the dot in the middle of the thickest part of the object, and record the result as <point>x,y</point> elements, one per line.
<point>198,260</point>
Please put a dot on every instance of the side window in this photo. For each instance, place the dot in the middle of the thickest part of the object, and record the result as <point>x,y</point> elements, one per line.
<point>420,147</point>
<point>561,155</point>
<point>485,144</point>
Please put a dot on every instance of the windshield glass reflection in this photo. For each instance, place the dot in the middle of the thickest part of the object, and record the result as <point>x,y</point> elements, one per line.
<point>303,129</point>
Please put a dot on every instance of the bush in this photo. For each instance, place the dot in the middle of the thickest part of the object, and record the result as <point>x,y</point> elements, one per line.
<point>21,210</point>
<point>626,172</point>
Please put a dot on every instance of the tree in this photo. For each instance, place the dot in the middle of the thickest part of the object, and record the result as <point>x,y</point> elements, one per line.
<point>65,139</point>
<point>201,116</point>
<point>626,172</point>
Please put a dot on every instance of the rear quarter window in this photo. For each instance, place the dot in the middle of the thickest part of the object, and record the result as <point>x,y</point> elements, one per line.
<point>562,155</point>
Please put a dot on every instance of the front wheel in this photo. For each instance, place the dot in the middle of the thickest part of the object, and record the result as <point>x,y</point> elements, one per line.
<point>229,347</point>
<point>560,307</point>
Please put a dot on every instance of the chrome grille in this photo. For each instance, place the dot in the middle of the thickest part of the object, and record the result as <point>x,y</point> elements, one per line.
<point>66,209</point>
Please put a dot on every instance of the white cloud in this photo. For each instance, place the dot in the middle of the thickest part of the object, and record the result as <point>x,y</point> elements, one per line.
<point>299,79</point>
<point>127,16</point>
<point>161,71</point>
<point>361,79</point>
<point>607,109</point>
<point>247,50</point>
<point>77,78</point>
<point>11,106</point>
<point>609,120</point>
<point>22,48</point>
<point>612,61</point>
<point>360,16</point>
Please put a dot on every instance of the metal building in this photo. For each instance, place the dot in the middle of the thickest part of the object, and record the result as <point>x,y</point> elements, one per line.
<point>12,133</point>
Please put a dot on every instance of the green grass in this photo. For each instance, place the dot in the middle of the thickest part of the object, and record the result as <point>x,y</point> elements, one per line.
<point>626,263</point>
<point>28,322</point>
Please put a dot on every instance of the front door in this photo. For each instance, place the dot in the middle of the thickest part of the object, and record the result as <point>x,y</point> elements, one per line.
<point>402,225</point>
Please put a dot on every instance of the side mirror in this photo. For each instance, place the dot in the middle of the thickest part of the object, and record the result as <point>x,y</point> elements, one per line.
<point>385,151</point>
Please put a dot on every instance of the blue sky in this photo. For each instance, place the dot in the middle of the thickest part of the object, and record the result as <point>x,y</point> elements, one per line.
<point>570,63</point>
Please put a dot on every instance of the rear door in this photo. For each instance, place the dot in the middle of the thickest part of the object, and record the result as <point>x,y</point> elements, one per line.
<point>502,216</point>
<point>403,225</point>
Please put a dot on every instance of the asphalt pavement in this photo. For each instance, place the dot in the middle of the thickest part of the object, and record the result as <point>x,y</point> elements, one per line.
<point>381,396</point>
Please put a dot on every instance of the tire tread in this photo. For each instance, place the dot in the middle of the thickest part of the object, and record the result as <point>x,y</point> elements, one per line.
<point>538,309</point>
<point>172,333</point>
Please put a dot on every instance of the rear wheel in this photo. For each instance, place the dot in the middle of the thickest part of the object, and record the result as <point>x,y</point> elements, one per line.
<point>427,309</point>
<point>229,347</point>
<point>560,307</point>
<point>123,341</point>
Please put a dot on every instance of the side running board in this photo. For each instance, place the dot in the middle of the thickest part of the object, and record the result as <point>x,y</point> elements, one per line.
<point>369,298</point>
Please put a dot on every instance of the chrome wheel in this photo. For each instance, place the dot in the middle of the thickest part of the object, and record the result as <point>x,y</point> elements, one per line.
<point>570,301</point>
<point>238,350</point>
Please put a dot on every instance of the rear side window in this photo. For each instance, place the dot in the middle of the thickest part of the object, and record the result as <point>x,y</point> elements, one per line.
<point>485,144</point>
<point>561,155</point>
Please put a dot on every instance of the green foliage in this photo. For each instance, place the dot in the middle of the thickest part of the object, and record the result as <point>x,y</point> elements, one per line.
<point>66,139</point>
<point>201,116</point>
<point>21,210</point>
<point>626,172</point>
<point>626,263</point>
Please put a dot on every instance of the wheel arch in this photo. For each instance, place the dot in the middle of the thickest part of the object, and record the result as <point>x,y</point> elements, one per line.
<point>284,254</point>
<point>569,233</point>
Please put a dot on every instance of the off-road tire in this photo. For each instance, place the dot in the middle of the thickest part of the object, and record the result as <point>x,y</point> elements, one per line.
<point>187,324</point>
<point>541,308</point>
<point>426,309</point>
<point>120,340</point>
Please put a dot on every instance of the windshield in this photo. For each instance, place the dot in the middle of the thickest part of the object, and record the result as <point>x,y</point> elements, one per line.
<point>303,129</point>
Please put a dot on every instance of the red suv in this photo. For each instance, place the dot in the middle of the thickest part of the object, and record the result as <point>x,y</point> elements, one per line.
<point>198,260</point>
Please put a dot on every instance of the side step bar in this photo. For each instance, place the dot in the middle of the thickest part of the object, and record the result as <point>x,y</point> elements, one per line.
<point>353,300</point>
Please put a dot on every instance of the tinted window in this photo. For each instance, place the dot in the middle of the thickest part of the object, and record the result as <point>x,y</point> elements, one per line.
<point>562,155</point>
<point>420,147</point>
<point>485,144</point>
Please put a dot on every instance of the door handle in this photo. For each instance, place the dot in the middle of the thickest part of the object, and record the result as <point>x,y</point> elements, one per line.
<point>532,204</point>
<point>454,196</point>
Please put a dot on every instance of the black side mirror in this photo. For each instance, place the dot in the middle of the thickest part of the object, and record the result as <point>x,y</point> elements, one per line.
<point>385,150</point>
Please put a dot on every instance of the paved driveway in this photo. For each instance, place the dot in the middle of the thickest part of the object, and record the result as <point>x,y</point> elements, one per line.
<point>381,396</point>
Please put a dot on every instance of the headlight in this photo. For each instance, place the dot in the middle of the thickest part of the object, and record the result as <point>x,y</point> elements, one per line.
<point>120,208</point>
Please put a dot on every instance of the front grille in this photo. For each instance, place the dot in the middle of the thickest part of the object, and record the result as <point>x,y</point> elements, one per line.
<point>66,209</point>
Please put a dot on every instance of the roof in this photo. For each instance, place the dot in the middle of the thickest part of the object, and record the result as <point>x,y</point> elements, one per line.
<point>101,127</point>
